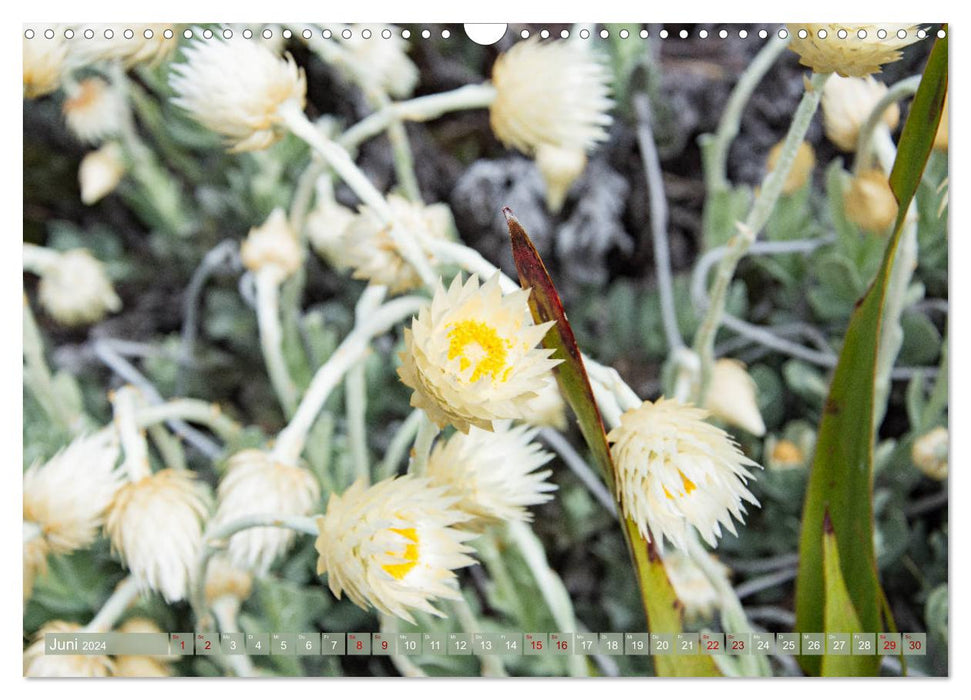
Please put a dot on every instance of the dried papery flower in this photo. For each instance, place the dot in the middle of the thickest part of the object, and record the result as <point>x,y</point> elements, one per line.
<point>471,356</point>
<point>226,582</point>
<point>371,251</point>
<point>493,474</point>
<point>66,497</point>
<point>155,525</point>
<point>869,202</point>
<point>692,586</point>
<point>802,166</point>
<point>100,172</point>
<point>675,471</point>
<point>379,62</point>
<point>393,545</point>
<point>553,95</point>
<point>256,484</point>
<point>861,53</point>
<point>940,137</point>
<point>273,245</point>
<point>731,397</point>
<point>44,61</point>
<point>548,408</point>
<point>138,666</point>
<point>238,89</point>
<point>109,43</point>
<point>847,103</point>
<point>36,550</point>
<point>930,453</point>
<point>93,111</point>
<point>39,664</point>
<point>75,290</point>
<point>325,228</point>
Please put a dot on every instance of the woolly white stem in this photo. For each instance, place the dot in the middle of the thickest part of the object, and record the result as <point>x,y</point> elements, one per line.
<point>116,605</point>
<point>406,667</point>
<point>427,432</point>
<point>132,438</point>
<point>193,411</point>
<point>38,259</point>
<point>271,336</point>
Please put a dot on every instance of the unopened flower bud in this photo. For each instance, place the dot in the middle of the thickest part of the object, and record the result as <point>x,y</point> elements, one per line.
<point>869,202</point>
<point>930,453</point>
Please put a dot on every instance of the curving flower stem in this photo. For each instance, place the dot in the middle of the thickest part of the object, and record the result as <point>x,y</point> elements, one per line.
<point>492,666</point>
<point>193,411</point>
<point>355,388</point>
<point>427,432</point>
<point>292,439</point>
<point>38,378</point>
<point>748,231</point>
<point>404,436</point>
<point>898,91</point>
<point>132,438</point>
<point>271,336</point>
<point>124,595</point>
<point>226,617</point>
<point>218,539</point>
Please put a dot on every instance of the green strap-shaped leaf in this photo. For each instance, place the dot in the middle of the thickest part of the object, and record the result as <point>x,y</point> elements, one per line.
<point>838,615</point>
<point>661,605</point>
<point>841,481</point>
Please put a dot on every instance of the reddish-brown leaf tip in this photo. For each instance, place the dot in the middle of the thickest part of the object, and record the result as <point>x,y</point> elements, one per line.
<point>827,523</point>
<point>507,212</point>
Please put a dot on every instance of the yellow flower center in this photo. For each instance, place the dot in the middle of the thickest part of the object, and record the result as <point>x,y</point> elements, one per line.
<point>687,483</point>
<point>399,571</point>
<point>478,345</point>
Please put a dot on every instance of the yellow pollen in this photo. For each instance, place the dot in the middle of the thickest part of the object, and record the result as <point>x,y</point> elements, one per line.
<point>688,484</point>
<point>399,571</point>
<point>476,343</point>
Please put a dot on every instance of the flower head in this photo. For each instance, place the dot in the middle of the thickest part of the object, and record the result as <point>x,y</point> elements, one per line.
<point>75,289</point>
<point>369,248</point>
<point>148,43</point>
<point>692,585</point>
<point>471,355</point>
<point>731,397</point>
<point>675,471</point>
<point>869,202</point>
<point>802,166</point>
<point>100,172</point>
<point>36,549</point>
<point>255,484</point>
<point>155,525</point>
<point>66,497</point>
<point>273,244</point>
<point>381,63</point>
<point>393,545</point>
<point>552,101</point>
<point>93,111</point>
<point>325,229</point>
<point>493,474</point>
<point>847,103</point>
<point>238,89</point>
<point>930,453</point>
<point>225,582</point>
<point>39,664</point>
<point>859,54</point>
<point>44,61</point>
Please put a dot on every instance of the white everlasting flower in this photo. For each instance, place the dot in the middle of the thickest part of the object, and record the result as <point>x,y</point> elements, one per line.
<point>100,172</point>
<point>471,355</point>
<point>930,453</point>
<point>93,111</point>
<point>148,43</point>
<point>255,484</point>
<point>136,666</point>
<point>75,290</point>
<point>861,53</point>
<point>155,525</point>
<point>393,545</point>
<point>66,497</point>
<point>493,474</point>
<point>552,102</point>
<point>731,397</point>
<point>238,89</point>
<point>847,103</point>
<point>675,471</point>
<point>379,62</point>
<point>273,244</point>
<point>691,585</point>
<point>44,61</point>
<point>325,229</point>
<point>369,248</point>
<point>224,581</point>
<point>39,664</point>
<point>36,550</point>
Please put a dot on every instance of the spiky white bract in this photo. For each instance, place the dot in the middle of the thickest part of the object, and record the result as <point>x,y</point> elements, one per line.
<point>493,474</point>
<point>675,471</point>
<point>273,244</point>
<point>860,53</point>
<point>93,111</point>
<point>257,484</point>
<point>238,89</point>
<point>847,103</point>
<point>393,545</point>
<point>155,525</point>
<point>692,586</point>
<point>148,43</point>
<point>75,290</point>
<point>39,664</point>
<point>369,248</point>
<point>731,396</point>
<point>471,356</point>
<point>44,61</point>
<point>548,409</point>
<point>66,497</point>
<point>100,172</point>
